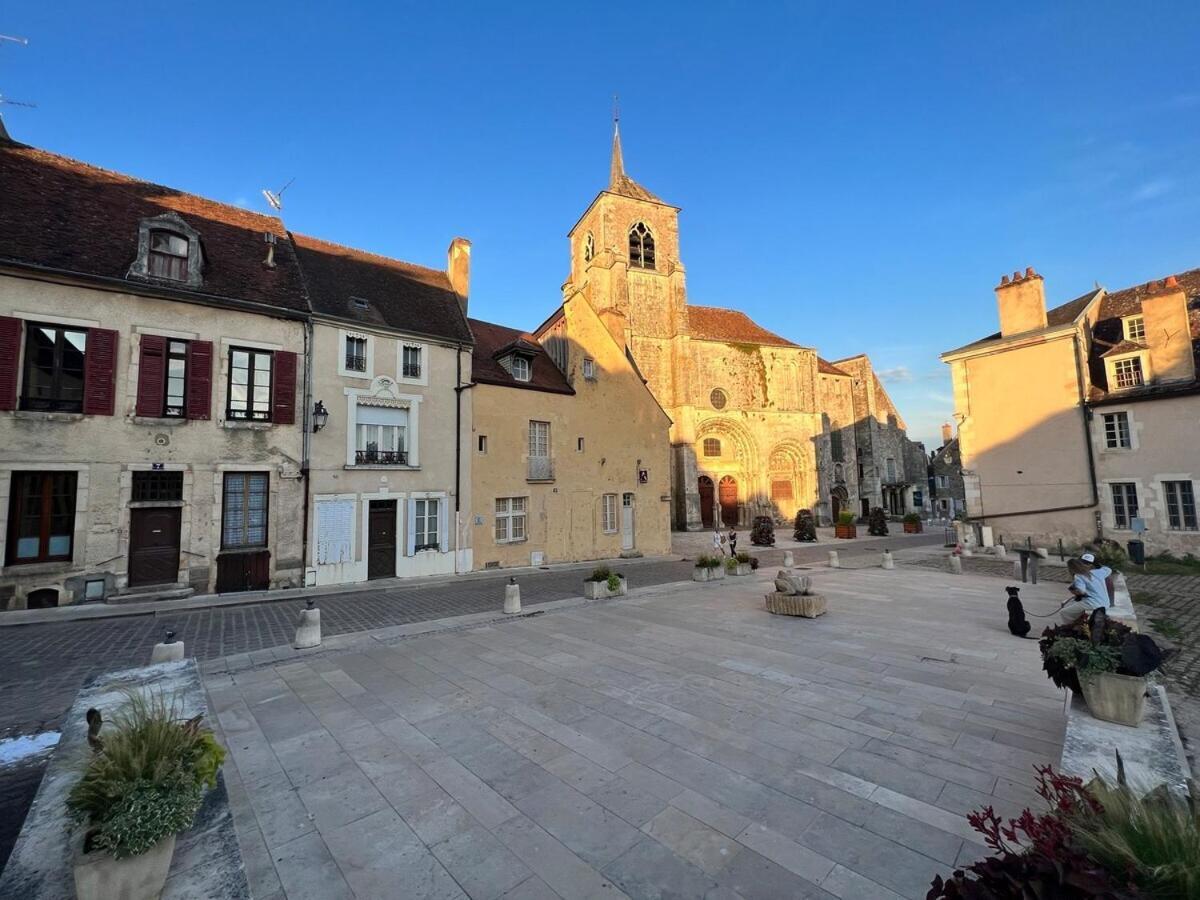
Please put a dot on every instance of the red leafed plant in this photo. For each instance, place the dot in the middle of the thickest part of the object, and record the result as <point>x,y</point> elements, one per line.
<point>1035,858</point>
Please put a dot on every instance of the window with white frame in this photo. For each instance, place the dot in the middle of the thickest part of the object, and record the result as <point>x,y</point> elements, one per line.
<point>1181,505</point>
<point>426,525</point>
<point>1125,504</point>
<point>356,353</point>
<point>381,436</point>
<point>522,369</point>
<point>589,369</point>
<point>1135,328</point>
<point>510,519</point>
<point>411,362</point>
<point>608,513</point>
<point>1116,431</point>
<point>942,481</point>
<point>483,443</point>
<point>540,468</point>
<point>1128,371</point>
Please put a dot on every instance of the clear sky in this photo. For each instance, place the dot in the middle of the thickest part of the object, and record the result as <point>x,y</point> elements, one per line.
<point>856,177</point>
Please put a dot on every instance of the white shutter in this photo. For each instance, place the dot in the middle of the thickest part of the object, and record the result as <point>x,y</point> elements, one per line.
<point>411,528</point>
<point>443,509</point>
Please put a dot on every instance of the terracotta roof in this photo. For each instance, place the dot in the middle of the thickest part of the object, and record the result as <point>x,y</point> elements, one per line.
<point>1055,318</point>
<point>711,323</point>
<point>61,214</point>
<point>490,339</point>
<point>398,295</point>
<point>825,367</point>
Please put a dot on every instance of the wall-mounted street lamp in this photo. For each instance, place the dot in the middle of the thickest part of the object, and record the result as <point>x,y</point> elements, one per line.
<point>320,416</point>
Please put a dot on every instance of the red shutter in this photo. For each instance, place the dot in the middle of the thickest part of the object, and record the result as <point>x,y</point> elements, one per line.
<point>152,369</point>
<point>283,389</point>
<point>199,379</point>
<point>10,354</point>
<point>100,372</point>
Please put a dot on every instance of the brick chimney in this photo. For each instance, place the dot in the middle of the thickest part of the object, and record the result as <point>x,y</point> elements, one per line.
<point>947,433</point>
<point>458,269</point>
<point>1168,334</point>
<point>1022,302</point>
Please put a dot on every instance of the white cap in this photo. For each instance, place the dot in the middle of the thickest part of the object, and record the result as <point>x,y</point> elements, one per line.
<point>1088,557</point>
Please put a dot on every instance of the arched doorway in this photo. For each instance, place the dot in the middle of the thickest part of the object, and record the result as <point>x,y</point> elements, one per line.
<point>838,500</point>
<point>706,501</point>
<point>728,498</point>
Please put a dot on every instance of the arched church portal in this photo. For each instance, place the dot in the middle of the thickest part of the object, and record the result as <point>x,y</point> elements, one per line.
<point>727,495</point>
<point>706,501</point>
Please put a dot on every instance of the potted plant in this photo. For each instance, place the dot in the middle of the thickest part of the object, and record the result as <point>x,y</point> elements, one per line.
<point>912,523</point>
<point>845,527</point>
<point>708,568</point>
<point>806,528</point>
<point>1104,660</point>
<point>140,788</point>
<point>877,523</point>
<point>604,583</point>
<point>740,564</point>
<point>762,532</point>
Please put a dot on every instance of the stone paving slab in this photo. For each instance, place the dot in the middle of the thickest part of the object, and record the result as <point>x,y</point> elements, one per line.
<point>680,742</point>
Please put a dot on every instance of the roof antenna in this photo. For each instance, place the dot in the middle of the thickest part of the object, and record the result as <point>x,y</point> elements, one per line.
<point>275,198</point>
<point>4,101</point>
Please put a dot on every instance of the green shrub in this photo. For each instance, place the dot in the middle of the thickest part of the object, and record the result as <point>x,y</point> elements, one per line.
<point>805,528</point>
<point>744,558</point>
<point>1111,554</point>
<point>603,573</point>
<point>877,523</point>
<point>708,562</point>
<point>145,813</point>
<point>1084,657</point>
<point>912,518</point>
<point>754,564</point>
<point>613,582</point>
<point>845,517</point>
<point>731,565</point>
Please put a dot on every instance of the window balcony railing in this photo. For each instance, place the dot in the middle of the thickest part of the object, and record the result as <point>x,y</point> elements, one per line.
<point>541,468</point>
<point>381,457</point>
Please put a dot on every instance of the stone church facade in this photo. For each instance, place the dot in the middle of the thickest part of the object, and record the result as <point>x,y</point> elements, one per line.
<point>759,425</point>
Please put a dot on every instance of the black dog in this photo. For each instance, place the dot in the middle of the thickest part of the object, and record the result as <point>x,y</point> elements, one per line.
<point>1017,623</point>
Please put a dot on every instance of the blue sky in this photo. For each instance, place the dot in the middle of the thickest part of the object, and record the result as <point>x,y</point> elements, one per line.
<point>854,176</point>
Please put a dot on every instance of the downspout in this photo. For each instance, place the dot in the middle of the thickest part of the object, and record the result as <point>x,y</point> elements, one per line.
<point>459,387</point>
<point>1087,430</point>
<point>307,440</point>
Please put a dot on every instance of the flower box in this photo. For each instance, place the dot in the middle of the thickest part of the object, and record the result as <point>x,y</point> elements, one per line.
<point>599,590</point>
<point>912,527</point>
<point>741,569</point>
<point>703,573</point>
<point>808,606</point>
<point>845,531</point>
<point>100,876</point>
<point>1115,698</point>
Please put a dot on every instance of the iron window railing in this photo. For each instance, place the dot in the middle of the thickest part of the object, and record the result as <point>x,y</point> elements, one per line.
<point>381,457</point>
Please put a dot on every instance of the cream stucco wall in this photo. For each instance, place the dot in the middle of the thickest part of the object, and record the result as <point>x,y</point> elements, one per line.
<point>106,450</point>
<point>623,430</point>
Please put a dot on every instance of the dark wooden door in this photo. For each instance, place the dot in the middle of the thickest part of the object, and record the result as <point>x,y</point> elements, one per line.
<point>727,495</point>
<point>154,545</point>
<point>381,539</point>
<point>706,501</point>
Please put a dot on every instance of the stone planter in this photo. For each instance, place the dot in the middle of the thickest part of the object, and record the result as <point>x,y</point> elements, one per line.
<point>807,605</point>
<point>845,531</point>
<point>912,527</point>
<point>700,573</point>
<point>98,876</point>
<point>1115,698</point>
<point>598,590</point>
<point>741,569</point>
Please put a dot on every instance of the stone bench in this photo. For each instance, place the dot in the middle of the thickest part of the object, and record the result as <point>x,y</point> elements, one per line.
<point>207,860</point>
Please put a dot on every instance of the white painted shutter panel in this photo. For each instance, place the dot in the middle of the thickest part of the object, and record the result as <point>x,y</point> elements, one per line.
<point>411,543</point>
<point>443,518</point>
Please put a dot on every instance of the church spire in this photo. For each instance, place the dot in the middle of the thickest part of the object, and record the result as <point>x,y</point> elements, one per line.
<point>617,170</point>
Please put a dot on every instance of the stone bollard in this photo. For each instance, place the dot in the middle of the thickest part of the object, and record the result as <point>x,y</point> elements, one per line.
<point>1001,552</point>
<point>967,551</point>
<point>887,560</point>
<point>788,559</point>
<point>308,627</point>
<point>512,597</point>
<point>955,565</point>
<point>833,560</point>
<point>1016,568</point>
<point>168,651</point>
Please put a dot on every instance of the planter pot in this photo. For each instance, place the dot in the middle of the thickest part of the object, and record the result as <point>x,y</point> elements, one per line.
<point>598,590</point>
<point>1115,698</point>
<point>912,527</point>
<point>98,876</point>
<point>702,574</point>
<point>845,531</point>
<point>807,605</point>
<point>742,569</point>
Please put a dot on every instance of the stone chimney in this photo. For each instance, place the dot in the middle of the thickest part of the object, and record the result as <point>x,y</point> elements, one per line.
<point>947,433</point>
<point>458,269</point>
<point>1168,335</point>
<point>1022,302</point>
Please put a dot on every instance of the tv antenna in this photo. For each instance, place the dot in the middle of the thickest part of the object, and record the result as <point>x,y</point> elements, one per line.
<point>5,101</point>
<point>275,198</point>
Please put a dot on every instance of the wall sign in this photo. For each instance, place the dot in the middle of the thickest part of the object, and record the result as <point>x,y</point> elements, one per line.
<point>643,476</point>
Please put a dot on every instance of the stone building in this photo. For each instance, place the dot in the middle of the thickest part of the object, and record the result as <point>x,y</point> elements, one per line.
<point>759,424</point>
<point>571,452</point>
<point>1106,444</point>
<point>151,344</point>
<point>945,477</point>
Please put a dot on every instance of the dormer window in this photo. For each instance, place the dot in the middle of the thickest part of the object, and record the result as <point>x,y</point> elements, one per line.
<point>168,255</point>
<point>641,246</point>
<point>1135,328</point>
<point>1128,372</point>
<point>522,368</point>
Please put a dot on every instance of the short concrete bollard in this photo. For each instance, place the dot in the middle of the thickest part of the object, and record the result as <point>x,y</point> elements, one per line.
<point>512,597</point>
<point>1016,568</point>
<point>887,562</point>
<point>967,551</point>
<point>788,559</point>
<point>1001,552</point>
<point>169,650</point>
<point>833,560</point>
<point>308,627</point>
<point>955,565</point>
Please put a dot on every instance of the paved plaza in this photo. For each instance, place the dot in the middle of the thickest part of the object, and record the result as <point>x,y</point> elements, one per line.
<point>678,743</point>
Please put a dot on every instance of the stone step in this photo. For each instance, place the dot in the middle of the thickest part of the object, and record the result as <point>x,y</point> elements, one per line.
<point>151,593</point>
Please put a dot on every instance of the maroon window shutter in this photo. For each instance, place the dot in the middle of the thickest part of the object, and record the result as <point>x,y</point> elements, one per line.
<point>283,389</point>
<point>10,353</point>
<point>199,379</point>
<point>100,372</point>
<point>152,367</point>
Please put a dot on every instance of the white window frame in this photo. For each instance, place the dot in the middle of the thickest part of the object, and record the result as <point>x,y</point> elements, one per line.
<point>424,351</point>
<point>343,337</point>
<point>526,366</point>
<point>533,444</point>
<point>510,516</point>
<point>1135,328</point>
<point>1122,428</point>
<point>589,369</point>
<point>1165,488</point>
<point>1113,380</point>
<point>608,513</point>
<point>414,422</point>
<point>1123,511</point>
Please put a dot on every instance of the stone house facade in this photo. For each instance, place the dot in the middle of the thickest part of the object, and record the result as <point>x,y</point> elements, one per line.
<point>759,425</point>
<point>571,451</point>
<point>946,492</point>
<point>1106,446</point>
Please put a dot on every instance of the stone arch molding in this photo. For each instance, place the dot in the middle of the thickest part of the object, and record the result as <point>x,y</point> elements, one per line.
<point>732,435</point>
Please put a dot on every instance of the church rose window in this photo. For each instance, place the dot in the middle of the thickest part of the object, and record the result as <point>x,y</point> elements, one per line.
<point>717,398</point>
<point>641,247</point>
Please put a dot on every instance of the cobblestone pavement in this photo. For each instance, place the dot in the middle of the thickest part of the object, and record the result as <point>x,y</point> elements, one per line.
<point>43,665</point>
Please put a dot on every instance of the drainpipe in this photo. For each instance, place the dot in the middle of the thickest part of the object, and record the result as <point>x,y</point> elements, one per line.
<point>1087,431</point>
<point>305,444</point>
<point>459,387</point>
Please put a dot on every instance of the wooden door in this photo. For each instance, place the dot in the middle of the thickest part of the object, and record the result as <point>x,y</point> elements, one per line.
<point>381,539</point>
<point>727,496</point>
<point>154,545</point>
<point>706,501</point>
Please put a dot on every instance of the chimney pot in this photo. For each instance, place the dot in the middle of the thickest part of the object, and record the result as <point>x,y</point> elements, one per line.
<point>1016,276</point>
<point>1029,273</point>
<point>1172,281</point>
<point>1004,279</point>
